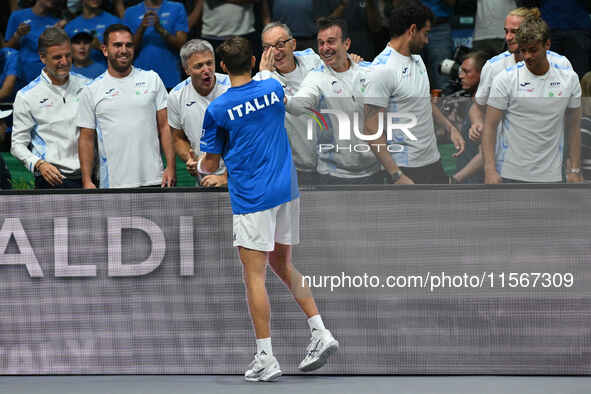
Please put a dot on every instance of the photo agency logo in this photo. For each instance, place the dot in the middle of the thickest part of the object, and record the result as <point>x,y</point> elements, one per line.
<point>347,134</point>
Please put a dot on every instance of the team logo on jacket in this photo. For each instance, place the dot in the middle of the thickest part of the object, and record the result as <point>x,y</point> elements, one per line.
<point>526,86</point>
<point>45,103</point>
<point>113,92</point>
<point>336,87</point>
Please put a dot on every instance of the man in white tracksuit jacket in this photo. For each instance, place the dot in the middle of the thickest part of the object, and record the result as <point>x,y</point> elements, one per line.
<point>45,113</point>
<point>337,85</point>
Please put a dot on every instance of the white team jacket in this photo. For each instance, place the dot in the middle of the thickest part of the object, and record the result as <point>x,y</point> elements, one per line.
<point>45,117</point>
<point>323,88</point>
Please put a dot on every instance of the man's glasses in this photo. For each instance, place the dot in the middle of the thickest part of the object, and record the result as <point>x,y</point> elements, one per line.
<point>279,44</point>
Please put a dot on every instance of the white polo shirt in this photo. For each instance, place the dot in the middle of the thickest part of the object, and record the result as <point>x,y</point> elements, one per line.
<point>533,123</point>
<point>123,113</point>
<point>304,151</point>
<point>400,84</point>
<point>495,65</point>
<point>324,88</point>
<point>45,117</point>
<point>186,109</point>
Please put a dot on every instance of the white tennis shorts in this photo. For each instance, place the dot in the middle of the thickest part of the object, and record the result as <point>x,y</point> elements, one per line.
<point>260,230</point>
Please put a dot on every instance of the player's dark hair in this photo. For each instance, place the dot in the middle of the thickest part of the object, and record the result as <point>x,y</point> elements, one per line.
<point>236,54</point>
<point>114,28</point>
<point>328,22</point>
<point>407,13</point>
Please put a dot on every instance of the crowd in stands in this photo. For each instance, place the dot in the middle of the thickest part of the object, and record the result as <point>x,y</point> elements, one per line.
<point>161,29</point>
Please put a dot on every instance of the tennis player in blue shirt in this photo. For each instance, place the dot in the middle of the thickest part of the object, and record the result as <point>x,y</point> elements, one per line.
<point>245,126</point>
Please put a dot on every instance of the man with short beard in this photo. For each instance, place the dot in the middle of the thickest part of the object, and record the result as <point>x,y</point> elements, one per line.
<point>337,84</point>
<point>45,116</point>
<point>125,108</point>
<point>188,101</point>
<point>398,83</point>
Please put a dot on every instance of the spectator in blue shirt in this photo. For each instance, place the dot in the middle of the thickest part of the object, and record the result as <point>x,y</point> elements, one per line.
<point>8,74</point>
<point>82,62</point>
<point>93,20</point>
<point>160,29</point>
<point>23,31</point>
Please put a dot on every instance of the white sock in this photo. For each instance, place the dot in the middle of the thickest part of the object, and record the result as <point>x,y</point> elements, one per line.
<point>315,323</point>
<point>264,345</point>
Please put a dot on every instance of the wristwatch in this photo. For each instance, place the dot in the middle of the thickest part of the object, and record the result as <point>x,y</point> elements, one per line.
<point>395,177</point>
<point>573,171</point>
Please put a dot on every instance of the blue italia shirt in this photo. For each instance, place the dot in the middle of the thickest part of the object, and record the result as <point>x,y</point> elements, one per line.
<point>95,26</point>
<point>154,53</point>
<point>246,126</point>
<point>28,50</point>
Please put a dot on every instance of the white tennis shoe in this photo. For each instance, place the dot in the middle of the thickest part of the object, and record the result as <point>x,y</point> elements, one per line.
<point>322,345</point>
<point>263,368</point>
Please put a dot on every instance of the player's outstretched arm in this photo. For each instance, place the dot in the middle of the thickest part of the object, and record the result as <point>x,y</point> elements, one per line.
<point>307,96</point>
